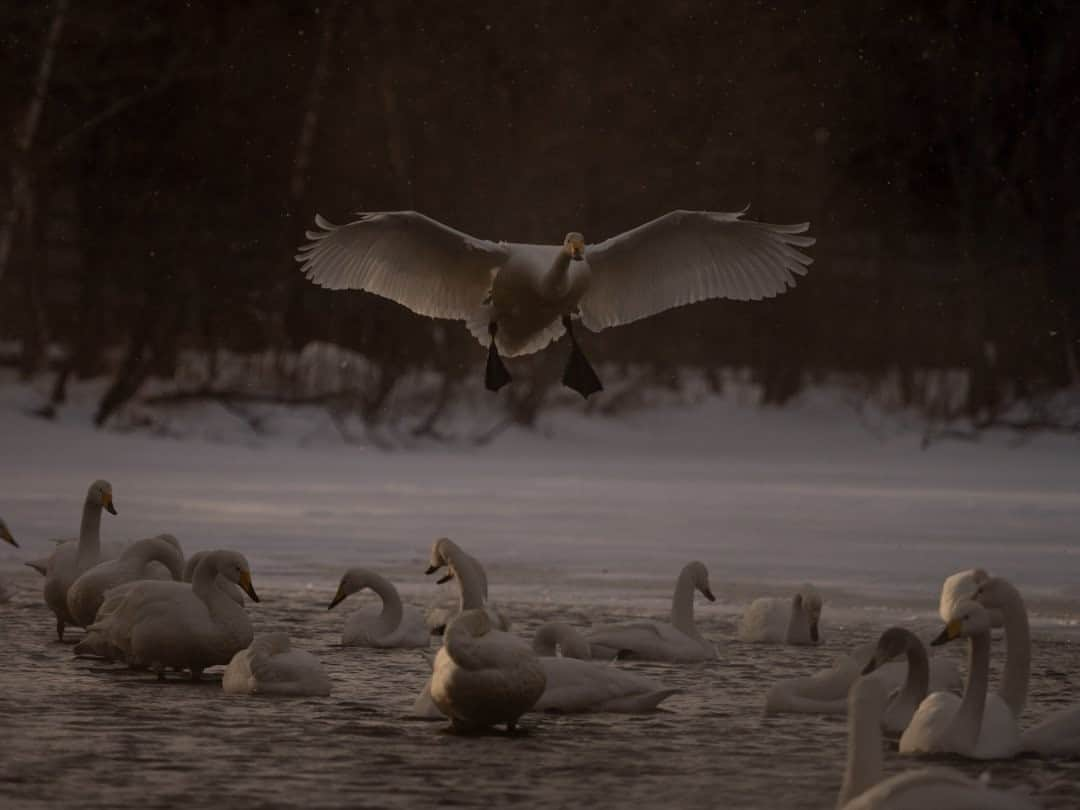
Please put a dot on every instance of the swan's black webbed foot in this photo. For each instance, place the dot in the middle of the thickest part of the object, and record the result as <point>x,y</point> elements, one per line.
<point>579,375</point>
<point>496,374</point>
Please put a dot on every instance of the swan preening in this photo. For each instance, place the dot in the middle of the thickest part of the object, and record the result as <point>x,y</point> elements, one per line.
<point>70,559</point>
<point>794,621</point>
<point>677,641</point>
<point>395,625</point>
<point>923,789</point>
<point>517,298</point>
<point>159,625</point>
<point>483,676</point>
<point>470,576</point>
<point>272,666</point>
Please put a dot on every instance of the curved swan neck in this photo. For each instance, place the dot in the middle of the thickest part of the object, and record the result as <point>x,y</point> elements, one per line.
<point>392,611</point>
<point>90,533</point>
<point>1014,682</point>
<point>155,549</point>
<point>569,642</point>
<point>682,603</point>
<point>461,647</point>
<point>207,585</point>
<point>470,581</point>
<point>864,758</point>
<point>917,683</point>
<point>967,723</point>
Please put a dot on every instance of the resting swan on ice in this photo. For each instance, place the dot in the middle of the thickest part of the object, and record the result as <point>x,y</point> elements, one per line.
<point>923,789</point>
<point>794,621</point>
<point>160,625</point>
<point>70,559</point>
<point>574,685</point>
<point>483,676</point>
<point>396,625</point>
<point>270,666</point>
<point>678,640</point>
<point>517,298</point>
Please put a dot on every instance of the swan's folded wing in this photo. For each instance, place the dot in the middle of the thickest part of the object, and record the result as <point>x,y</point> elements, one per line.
<point>689,256</point>
<point>407,257</point>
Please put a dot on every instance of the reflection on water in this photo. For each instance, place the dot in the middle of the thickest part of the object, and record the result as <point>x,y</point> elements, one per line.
<point>76,732</point>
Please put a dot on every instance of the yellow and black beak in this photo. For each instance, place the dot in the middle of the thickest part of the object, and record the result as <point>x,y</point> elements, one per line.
<point>449,575</point>
<point>950,633</point>
<point>871,665</point>
<point>245,583</point>
<point>108,503</point>
<point>338,597</point>
<point>432,569</point>
<point>708,594</point>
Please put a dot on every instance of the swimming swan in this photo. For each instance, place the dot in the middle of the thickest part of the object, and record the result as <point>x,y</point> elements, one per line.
<point>678,641</point>
<point>270,666</point>
<point>772,619</point>
<point>159,625</point>
<point>923,789</point>
<point>517,298</point>
<point>575,686</point>
<point>483,676</point>
<point>71,559</point>
<point>977,726</point>
<point>471,578</point>
<point>88,592</point>
<point>396,625</point>
<point>1057,735</point>
<point>826,692</point>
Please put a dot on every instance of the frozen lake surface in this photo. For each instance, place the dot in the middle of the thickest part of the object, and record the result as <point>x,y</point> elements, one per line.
<point>588,521</point>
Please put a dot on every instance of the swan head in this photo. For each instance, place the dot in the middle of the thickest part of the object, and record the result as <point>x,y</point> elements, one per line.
<point>6,535</point>
<point>353,581</point>
<point>442,556</point>
<point>474,622</point>
<point>698,575</point>
<point>892,644</point>
<point>234,568</point>
<point>100,494</point>
<point>968,619</point>
<point>574,244</point>
<point>995,592</point>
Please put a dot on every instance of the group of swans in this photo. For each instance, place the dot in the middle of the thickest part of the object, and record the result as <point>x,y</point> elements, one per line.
<point>517,298</point>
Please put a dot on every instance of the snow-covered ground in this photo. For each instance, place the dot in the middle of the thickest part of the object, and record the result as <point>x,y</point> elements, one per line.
<point>765,497</point>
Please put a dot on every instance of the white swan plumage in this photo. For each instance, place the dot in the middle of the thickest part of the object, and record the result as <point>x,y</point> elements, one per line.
<point>960,586</point>
<point>158,625</point>
<point>1056,735</point>
<point>395,625</point>
<point>516,298</point>
<point>88,592</point>
<point>472,584</point>
<point>826,692</point>
<point>272,666</point>
<point>575,686</point>
<point>677,641</point>
<point>924,789</point>
<point>976,725</point>
<point>70,560</point>
<point>788,621</point>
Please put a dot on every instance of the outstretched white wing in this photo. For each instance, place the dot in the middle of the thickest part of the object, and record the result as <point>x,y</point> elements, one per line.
<point>689,256</point>
<point>407,257</point>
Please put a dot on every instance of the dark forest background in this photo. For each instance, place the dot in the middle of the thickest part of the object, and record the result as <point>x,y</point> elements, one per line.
<point>162,161</point>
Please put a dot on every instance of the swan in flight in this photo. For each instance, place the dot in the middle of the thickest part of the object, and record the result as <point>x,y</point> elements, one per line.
<point>69,559</point>
<point>517,298</point>
<point>1058,734</point>
<point>677,641</point>
<point>483,676</point>
<point>772,619</point>
<point>160,625</point>
<point>864,789</point>
<point>271,666</point>
<point>977,725</point>
<point>396,625</point>
<point>134,563</point>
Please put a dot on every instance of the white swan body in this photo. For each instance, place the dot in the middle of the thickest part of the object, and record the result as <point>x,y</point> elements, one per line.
<point>162,625</point>
<point>271,666</point>
<point>472,585</point>
<point>923,789</point>
<point>575,686</point>
<point>976,725</point>
<point>484,676</point>
<point>774,620</point>
<point>70,560</point>
<point>678,641</point>
<point>395,625</point>
<point>1057,735</point>
<point>517,298</point>
<point>88,592</point>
